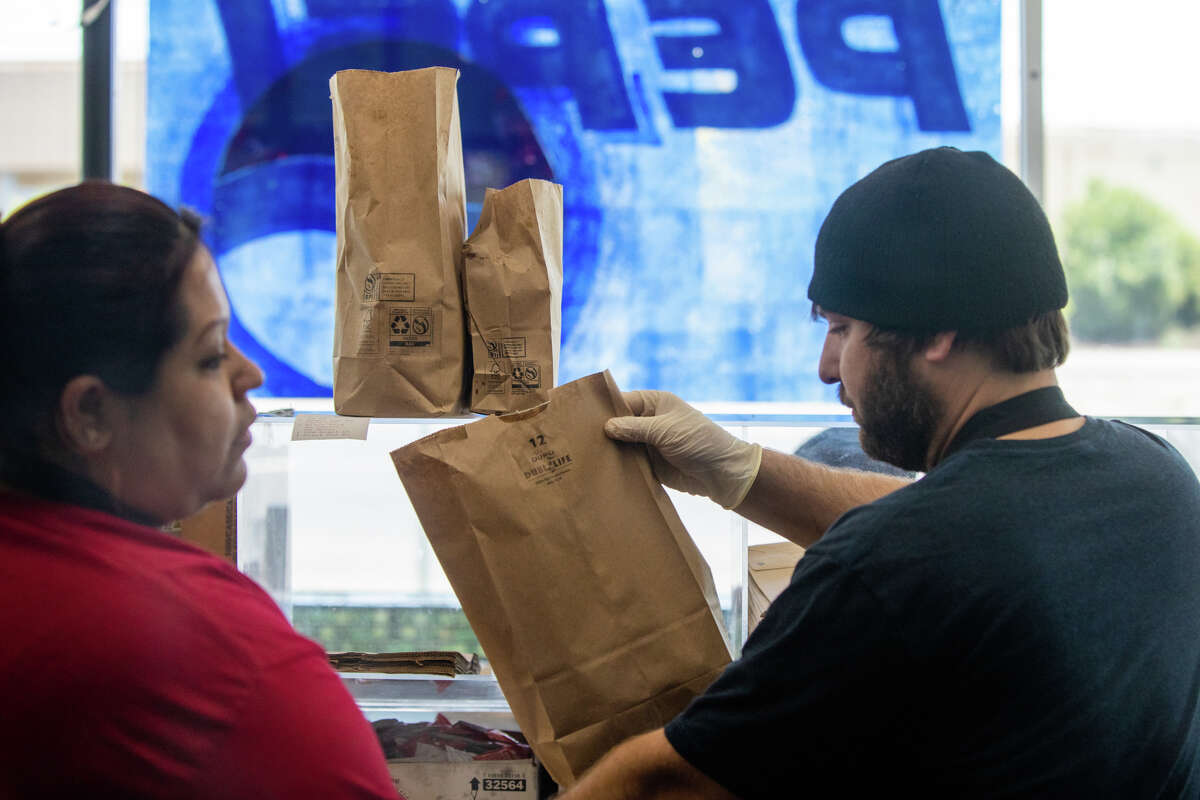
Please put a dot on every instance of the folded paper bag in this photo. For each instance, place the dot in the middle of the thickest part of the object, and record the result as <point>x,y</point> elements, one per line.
<point>400,346</point>
<point>593,605</point>
<point>513,282</point>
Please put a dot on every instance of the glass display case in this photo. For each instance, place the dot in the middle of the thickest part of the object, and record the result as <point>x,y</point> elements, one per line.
<point>325,526</point>
<point>418,698</point>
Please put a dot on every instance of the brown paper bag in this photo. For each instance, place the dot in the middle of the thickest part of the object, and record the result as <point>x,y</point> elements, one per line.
<point>399,346</point>
<point>513,281</point>
<point>593,605</point>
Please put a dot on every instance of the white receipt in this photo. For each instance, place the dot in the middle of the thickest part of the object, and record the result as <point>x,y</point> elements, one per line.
<point>325,426</point>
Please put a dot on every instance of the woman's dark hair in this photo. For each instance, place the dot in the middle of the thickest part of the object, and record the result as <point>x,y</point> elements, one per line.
<point>89,280</point>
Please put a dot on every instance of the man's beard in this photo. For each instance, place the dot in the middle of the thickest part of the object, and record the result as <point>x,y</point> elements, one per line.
<point>897,414</point>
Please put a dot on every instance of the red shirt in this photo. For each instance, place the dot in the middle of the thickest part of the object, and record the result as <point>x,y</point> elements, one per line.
<point>135,665</point>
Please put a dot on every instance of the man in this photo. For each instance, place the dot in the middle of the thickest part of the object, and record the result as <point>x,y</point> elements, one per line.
<point>1024,620</point>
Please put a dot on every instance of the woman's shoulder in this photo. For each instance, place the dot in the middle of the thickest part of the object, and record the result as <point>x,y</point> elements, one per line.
<point>107,583</point>
<point>134,637</point>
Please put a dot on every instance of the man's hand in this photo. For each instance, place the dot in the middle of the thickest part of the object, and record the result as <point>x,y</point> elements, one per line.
<point>688,451</point>
<point>645,767</point>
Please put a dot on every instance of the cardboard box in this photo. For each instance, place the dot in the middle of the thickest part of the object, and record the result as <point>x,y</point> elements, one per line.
<point>214,528</point>
<point>769,568</point>
<point>469,780</point>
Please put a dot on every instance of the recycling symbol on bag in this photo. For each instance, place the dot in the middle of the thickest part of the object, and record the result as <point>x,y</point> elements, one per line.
<point>526,373</point>
<point>405,323</point>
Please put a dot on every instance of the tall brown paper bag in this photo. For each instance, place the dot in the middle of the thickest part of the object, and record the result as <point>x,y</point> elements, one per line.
<point>513,281</point>
<point>399,346</point>
<point>593,605</point>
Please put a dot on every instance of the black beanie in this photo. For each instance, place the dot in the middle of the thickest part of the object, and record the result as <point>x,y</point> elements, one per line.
<point>940,240</point>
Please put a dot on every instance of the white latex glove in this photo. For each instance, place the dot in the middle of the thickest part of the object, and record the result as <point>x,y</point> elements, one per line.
<point>688,451</point>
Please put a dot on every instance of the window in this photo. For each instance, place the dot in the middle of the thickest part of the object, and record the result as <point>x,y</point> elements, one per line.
<point>1122,156</point>
<point>39,93</point>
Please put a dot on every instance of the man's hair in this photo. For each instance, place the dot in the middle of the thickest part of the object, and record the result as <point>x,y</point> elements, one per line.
<point>1041,343</point>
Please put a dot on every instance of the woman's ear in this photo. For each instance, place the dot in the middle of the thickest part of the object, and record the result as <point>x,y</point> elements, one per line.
<point>84,412</point>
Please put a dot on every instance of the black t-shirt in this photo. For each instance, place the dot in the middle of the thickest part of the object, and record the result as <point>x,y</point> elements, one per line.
<point>1022,621</point>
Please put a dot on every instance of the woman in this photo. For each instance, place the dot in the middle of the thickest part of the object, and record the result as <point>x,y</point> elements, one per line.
<point>136,665</point>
